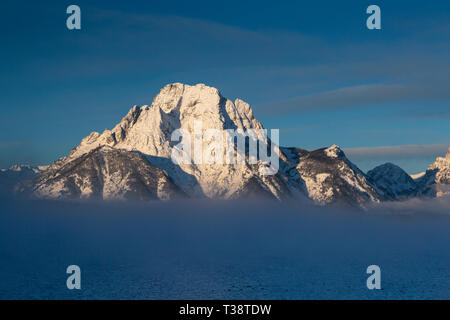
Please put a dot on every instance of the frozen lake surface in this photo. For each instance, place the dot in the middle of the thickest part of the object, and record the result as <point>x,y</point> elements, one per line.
<point>221,250</point>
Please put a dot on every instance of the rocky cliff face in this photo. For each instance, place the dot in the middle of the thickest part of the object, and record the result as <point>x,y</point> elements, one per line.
<point>437,177</point>
<point>329,177</point>
<point>442,168</point>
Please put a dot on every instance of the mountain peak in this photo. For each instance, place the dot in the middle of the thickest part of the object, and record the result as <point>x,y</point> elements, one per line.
<point>177,106</point>
<point>393,181</point>
<point>193,109</point>
<point>441,162</point>
<point>389,166</point>
<point>439,171</point>
<point>334,151</point>
<point>176,95</point>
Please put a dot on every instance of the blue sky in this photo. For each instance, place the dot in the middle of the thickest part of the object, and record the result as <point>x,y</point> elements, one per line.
<point>310,68</point>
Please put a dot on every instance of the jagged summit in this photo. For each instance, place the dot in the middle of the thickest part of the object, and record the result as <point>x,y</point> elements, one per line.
<point>437,176</point>
<point>441,168</point>
<point>334,151</point>
<point>435,181</point>
<point>177,106</point>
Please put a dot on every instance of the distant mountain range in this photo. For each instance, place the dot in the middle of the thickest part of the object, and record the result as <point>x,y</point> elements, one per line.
<point>133,161</point>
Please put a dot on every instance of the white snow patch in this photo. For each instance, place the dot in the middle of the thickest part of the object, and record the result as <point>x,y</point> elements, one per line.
<point>417,175</point>
<point>333,151</point>
<point>316,190</point>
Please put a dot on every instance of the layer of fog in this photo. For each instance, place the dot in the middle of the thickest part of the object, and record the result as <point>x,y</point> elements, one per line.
<point>220,249</point>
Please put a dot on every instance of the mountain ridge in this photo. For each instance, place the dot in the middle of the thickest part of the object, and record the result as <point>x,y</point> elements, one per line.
<point>143,138</point>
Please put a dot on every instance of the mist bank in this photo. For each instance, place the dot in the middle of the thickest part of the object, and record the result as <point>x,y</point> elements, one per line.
<point>223,250</point>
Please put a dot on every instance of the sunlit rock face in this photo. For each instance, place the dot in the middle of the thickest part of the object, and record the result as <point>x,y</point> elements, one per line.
<point>330,178</point>
<point>437,176</point>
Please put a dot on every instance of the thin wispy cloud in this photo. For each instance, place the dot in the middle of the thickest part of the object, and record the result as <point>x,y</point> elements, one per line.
<point>431,115</point>
<point>11,144</point>
<point>359,96</point>
<point>404,151</point>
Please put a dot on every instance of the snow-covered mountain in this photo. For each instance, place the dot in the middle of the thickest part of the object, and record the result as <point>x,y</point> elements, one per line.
<point>106,173</point>
<point>329,177</point>
<point>393,182</point>
<point>437,177</point>
<point>9,178</point>
<point>148,130</point>
<point>134,160</point>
